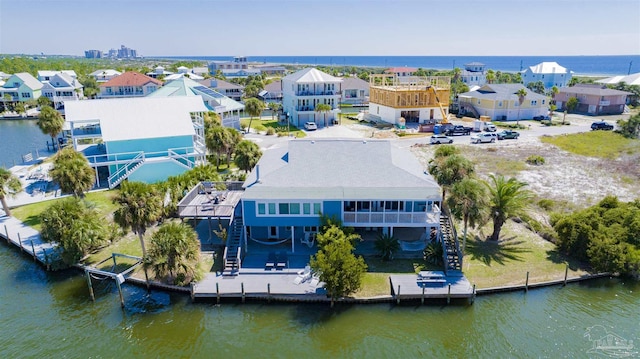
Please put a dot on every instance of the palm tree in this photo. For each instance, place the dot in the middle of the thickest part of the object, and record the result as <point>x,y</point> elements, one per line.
<point>448,170</point>
<point>72,172</point>
<point>491,76</point>
<point>9,185</point>
<point>386,245</point>
<point>174,251</point>
<point>50,122</point>
<point>254,108</point>
<point>274,107</point>
<point>140,207</point>
<point>507,198</point>
<point>247,155</point>
<point>323,108</point>
<point>467,201</point>
<point>522,93</point>
<point>570,106</point>
<point>234,139</point>
<point>217,140</point>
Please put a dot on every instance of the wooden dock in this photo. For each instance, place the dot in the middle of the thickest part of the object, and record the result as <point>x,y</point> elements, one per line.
<point>411,287</point>
<point>13,231</point>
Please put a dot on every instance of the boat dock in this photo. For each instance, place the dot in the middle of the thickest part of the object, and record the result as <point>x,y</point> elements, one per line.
<point>29,241</point>
<point>430,285</point>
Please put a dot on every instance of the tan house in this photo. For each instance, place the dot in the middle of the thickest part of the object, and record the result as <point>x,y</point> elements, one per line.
<point>593,99</point>
<point>501,102</point>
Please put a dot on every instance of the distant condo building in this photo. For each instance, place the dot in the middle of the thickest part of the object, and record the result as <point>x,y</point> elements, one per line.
<point>93,54</point>
<point>125,52</point>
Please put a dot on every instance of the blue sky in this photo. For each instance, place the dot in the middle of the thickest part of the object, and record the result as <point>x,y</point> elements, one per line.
<point>314,27</point>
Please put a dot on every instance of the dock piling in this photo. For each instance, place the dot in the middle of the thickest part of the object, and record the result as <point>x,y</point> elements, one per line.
<point>242,288</point>
<point>268,292</point>
<point>449,294</point>
<point>473,297</point>
<point>33,249</point>
<point>422,299</point>
<point>93,298</point>
<point>193,294</point>
<point>398,295</point>
<point>218,292</point>
<point>6,231</point>
<point>566,272</point>
<point>526,283</point>
<point>20,242</point>
<point>120,293</point>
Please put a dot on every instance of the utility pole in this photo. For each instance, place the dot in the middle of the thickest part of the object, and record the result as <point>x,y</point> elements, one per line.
<point>629,72</point>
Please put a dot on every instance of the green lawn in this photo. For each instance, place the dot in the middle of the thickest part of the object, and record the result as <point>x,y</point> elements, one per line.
<point>491,264</point>
<point>30,213</point>
<point>265,122</point>
<point>603,144</point>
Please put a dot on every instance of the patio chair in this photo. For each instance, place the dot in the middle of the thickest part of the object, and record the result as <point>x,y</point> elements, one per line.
<point>282,261</point>
<point>315,280</point>
<point>303,275</point>
<point>271,261</point>
<point>309,239</point>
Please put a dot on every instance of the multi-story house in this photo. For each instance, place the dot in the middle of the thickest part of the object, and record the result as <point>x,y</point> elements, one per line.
<point>474,74</point>
<point>142,139</point>
<point>229,89</point>
<point>408,99</point>
<point>401,71</point>
<point>238,63</point>
<point>272,92</point>
<point>60,88</point>
<point>302,91</point>
<point>46,75</point>
<point>159,72</point>
<point>549,73</point>
<point>501,102</point>
<point>354,91</point>
<point>129,84</point>
<point>20,87</point>
<point>593,99</point>
<point>227,109</point>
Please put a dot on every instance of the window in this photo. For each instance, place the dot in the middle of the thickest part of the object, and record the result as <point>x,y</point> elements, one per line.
<point>316,208</point>
<point>420,206</point>
<point>272,208</point>
<point>500,104</point>
<point>543,101</point>
<point>306,208</point>
<point>364,206</point>
<point>283,208</point>
<point>349,206</point>
<point>26,95</point>
<point>294,208</point>
<point>534,102</point>
<point>261,208</point>
<point>312,229</point>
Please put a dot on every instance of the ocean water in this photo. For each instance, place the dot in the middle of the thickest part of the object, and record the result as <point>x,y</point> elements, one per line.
<point>580,65</point>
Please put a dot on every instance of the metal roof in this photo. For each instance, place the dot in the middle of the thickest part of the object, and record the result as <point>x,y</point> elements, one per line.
<point>339,169</point>
<point>138,118</point>
<point>311,75</point>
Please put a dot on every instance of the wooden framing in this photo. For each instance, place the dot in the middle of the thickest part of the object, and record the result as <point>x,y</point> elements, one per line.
<point>409,91</point>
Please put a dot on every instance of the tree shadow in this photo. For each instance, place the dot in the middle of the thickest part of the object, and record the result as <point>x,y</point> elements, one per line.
<point>574,264</point>
<point>488,251</point>
<point>32,221</point>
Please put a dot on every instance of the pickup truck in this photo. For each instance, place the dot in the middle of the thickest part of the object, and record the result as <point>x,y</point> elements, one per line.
<point>458,130</point>
<point>508,134</point>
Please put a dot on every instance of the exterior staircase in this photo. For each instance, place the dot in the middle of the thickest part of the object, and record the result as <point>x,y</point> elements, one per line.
<point>451,249</point>
<point>182,160</point>
<point>232,251</point>
<point>127,169</point>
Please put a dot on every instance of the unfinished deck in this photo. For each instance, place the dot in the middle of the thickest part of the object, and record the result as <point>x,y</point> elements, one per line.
<point>410,286</point>
<point>204,206</point>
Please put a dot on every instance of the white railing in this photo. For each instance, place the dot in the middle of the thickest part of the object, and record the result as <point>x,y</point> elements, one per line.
<point>185,161</point>
<point>125,170</point>
<point>352,218</point>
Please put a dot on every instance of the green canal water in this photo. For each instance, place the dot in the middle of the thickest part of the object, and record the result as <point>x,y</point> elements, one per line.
<point>18,138</point>
<point>51,315</point>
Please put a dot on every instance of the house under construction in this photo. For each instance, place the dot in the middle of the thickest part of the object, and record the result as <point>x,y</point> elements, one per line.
<point>409,99</point>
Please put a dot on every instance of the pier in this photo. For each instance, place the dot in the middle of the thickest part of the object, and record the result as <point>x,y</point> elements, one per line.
<point>13,231</point>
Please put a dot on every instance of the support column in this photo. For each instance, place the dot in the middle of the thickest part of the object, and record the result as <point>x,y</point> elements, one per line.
<point>293,240</point>
<point>246,248</point>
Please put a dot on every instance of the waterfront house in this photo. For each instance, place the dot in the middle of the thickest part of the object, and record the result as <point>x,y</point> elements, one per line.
<point>401,71</point>
<point>46,75</point>
<point>269,69</point>
<point>229,89</point>
<point>354,91</point>
<point>228,109</point>
<point>501,103</point>
<point>631,80</point>
<point>129,84</point>
<point>142,139</point>
<point>20,87</point>
<point>302,91</point>
<point>408,99</point>
<point>240,73</point>
<point>593,99</point>
<point>549,73</point>
<point>159,72</point>
<point>370,185</point>
<point>60,88</point>
<point>238,62</point>
<point>272,92</point>
<point>104,75</point>
<point>183,74</point>
<point>474,74</point>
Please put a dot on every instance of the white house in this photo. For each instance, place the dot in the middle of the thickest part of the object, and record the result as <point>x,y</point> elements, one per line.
<point>46,75</point>
<point>159,71</point>
<point>549,73</point>
<point>474,73</point>
<point>104,75</point>
<point>62,87</point>
<point>302,91</point>
<point>354,91</point>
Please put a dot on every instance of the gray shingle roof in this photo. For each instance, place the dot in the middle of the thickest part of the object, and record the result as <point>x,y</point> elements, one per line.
<point>501,91</point>
<point>592,90</point>
<point>339,169</point>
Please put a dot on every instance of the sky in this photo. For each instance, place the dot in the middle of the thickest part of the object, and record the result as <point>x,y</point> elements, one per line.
<point>315,27</point>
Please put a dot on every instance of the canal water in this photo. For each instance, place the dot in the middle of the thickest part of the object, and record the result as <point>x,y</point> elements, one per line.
<point>51,315</point>
<point>18,138</point>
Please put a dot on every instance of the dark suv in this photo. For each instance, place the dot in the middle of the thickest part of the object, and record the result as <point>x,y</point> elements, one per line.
<point>601,125</point>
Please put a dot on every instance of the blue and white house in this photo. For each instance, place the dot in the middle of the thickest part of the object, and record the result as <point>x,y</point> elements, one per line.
<point>550,73</point>
<point>141,139</point>
<point>370,185</point>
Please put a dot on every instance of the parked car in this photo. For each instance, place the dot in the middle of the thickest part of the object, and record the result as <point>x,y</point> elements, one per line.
<point>458,130</point>
<point>310,126</point>
<point>508,134</point>
<point>484,138</point>
<point>439,139</point>
<point>601,125</point>
<point>490,127</point>
<point>541,118</point>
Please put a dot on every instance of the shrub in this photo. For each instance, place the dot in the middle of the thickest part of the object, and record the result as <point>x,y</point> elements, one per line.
<point>433,254</point>
<point>535,160</point>
<point>546,204</point>
<point>271,131</point>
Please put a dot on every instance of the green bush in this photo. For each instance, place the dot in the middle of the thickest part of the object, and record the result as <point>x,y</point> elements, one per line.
<point>535,160</point>
<point>271,131</point>
<point>546,204</point>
